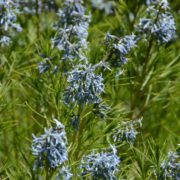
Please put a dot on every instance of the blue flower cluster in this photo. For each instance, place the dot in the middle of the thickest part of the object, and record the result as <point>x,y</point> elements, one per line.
<point>103,165</point>
<point>119,48</point>
<point>5,40</point>
<point>128,135</point>
<point>44,65</point>
<point>101,110</point>
<point>30,7</point>
<point>170,167</point>
<point>158,22</point>
<point>8,21</point>
<point>102,5</point>
<point>72,31</point>
<point>64,173</point>
<point>84,86</point>
<point>163,4</point>
<point>33,7</point>
<point>128,132</point>
<point>50,147</point>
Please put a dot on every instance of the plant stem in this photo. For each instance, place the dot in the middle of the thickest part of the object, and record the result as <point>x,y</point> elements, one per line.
<point>47,172</point>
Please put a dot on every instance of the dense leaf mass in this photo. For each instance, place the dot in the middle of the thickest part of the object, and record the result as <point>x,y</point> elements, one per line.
<point>108,70</point>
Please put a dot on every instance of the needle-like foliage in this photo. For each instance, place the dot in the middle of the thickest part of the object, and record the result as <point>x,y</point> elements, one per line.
<point>100,67</point>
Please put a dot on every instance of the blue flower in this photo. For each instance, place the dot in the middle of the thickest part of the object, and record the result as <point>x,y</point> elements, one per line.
<point>4,41</point>
<point>50,147</point>
<point>158,22</point>
<point>32,7</point>
<point>163,4</point>
<point>148,2</point>
<point>47,64</point>
<point>165,29</point>
<point>101,110</point>
<point>170,167</point>
<point>84,86</point>
<point>102,165</point>
<point>102,5</point>
<point>43,66</point>
<point>128,132</point>
<point>8,19</point>
<point>72,31</point>
<point>8,15</point>
<point>64,173</point>
<point>119,48</point>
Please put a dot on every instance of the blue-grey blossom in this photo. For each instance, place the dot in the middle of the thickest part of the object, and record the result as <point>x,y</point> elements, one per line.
<point>33,7</point>
<point>101,165</point>
<point>165,29</point>
<point>106,6</point>
<point>128,135</point>
<point>163,4</point>
<point>72,31</point>
<point>158,22</point>
<point>47,63</point>
<point>101,110</point>
<point>64,173</point>
<point>30,7</point>
<point>8,21</point>
<point>170,167</point>
<point>44,66</point>
<point>119,48</point>
<point>4,41</point>
<point>148,2</point>
<point>84,86</point>
<point>127,132</point>
<point>50,148</point>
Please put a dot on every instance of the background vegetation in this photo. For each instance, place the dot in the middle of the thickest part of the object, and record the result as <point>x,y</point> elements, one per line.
<point>149,87</point>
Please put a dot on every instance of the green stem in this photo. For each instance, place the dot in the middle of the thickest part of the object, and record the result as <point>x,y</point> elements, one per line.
<point>76,134</point>
<point>13,117</point>
<point>47,172</point>
<point>141,94</point>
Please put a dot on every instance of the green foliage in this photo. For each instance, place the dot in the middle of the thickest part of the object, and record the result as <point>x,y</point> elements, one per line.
<point>148,87</point>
